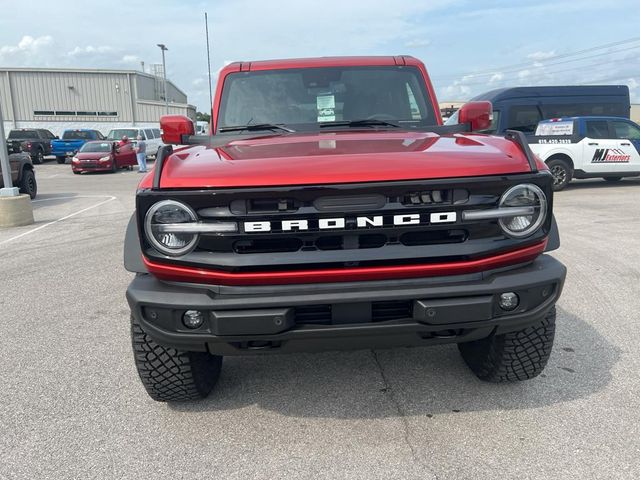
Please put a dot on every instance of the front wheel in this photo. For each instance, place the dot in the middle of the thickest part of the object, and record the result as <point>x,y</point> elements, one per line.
<point>512,356</point>
<point>28,183</point>
<point>171,375</point>
<point>61,160</point>
<point>561,171</point>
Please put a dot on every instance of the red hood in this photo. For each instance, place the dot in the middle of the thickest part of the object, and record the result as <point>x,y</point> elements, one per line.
<point>343,157</point>
<point>91,155</point>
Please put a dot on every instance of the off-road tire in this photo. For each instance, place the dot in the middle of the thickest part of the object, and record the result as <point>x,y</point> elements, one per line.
<point>512,356</point>
<point>39,158</point>
<point>171,375</point>
<point>561,171</point>
<point>28,183</point>
<point>61,160</point>
<point>612,179</point>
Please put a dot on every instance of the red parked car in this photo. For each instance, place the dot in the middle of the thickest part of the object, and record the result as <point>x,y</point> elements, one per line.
<point>101,156</point>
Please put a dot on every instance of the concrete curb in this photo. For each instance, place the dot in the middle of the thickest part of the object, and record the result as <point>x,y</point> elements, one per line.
<point>15,211</point>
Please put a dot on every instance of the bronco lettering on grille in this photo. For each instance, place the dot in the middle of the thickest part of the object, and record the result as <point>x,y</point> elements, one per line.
<point>340,223</point>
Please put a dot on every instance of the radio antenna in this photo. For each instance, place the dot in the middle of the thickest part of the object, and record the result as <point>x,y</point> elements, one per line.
<point>206,28</point>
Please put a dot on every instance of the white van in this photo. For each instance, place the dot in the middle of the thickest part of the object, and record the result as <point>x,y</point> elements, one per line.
<point>150,135</point>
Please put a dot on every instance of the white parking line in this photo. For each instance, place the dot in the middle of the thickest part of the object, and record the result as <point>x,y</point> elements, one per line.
<point>59,219</point>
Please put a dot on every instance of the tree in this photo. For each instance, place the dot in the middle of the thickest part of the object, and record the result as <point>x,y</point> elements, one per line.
<point>202,117</point>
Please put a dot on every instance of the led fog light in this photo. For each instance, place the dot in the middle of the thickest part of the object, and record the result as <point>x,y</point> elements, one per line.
<point>193,318</point>
<point>508,301</point>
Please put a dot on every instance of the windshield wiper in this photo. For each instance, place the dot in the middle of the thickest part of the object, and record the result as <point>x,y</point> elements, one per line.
<point>369,122</point>
<point>256,127</point>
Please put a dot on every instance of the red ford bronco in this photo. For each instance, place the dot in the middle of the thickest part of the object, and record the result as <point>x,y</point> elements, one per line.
<point>331,209</point>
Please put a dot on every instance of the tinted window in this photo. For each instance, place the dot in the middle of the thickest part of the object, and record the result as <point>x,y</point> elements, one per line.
<point>99,135</point>
<point>579,109</point>
<point>524,118</point>
<point>119,133</point>
<point>319,95</point>
<point>23,134</point>
<point>149,134</point>
<point>625,130</point>
<point>47,134</point>
<point>597,129</point>
<point>96,147</point>
<point>156,132</point>
<point>77,135</point>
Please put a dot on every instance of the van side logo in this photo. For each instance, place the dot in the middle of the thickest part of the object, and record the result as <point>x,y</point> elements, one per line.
<point>610,155</point>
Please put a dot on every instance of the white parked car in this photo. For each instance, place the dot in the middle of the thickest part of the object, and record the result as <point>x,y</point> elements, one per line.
<point>150,135</point>
<point>588,147</point>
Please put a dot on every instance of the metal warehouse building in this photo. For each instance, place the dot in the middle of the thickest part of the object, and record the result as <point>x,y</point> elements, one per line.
<point>57,98</point>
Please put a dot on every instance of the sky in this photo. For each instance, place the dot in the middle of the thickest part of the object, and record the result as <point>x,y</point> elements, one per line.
<point>469,47</point>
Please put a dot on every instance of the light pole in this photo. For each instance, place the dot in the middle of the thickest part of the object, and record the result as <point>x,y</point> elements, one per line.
<point>164,48</point>
<point>9,190</point>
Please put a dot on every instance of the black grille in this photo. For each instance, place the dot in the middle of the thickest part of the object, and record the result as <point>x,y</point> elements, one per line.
<point>358,243</point>
<point>380,312</point>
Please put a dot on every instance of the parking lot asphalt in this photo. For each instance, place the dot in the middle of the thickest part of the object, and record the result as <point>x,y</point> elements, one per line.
<point>71,404</point>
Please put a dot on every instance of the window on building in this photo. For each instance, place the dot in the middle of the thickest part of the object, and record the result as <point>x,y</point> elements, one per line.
<point>65,113</point>
<point>87,114</point>
<point>107,114</point>
<point>44,112</point>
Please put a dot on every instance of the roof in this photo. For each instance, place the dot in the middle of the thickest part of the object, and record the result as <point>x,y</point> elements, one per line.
<point>104,71</point>
<point>552,91</point>
<point>325,62</point>
<point>585,117</point>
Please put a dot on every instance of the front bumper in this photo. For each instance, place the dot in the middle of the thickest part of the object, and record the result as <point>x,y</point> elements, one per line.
<point>347,315</point>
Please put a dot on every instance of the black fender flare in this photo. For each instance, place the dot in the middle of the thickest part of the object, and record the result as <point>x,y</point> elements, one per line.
<point>553,242</point>
<point>132,251</point>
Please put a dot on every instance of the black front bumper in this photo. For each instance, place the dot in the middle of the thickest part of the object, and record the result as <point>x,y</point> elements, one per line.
<point>349,315</point>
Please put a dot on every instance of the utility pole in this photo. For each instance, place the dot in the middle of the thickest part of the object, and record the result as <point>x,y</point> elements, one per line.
<point>164,73</point>
<point>9,190</point>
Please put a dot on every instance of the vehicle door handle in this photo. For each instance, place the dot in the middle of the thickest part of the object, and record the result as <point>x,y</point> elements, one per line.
<point>592,143</point>
<point>626,144</point>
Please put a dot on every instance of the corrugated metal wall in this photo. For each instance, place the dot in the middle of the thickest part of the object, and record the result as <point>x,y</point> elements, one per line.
<point>69,91</point>
<point>146,87</point>
<point>108,97</point>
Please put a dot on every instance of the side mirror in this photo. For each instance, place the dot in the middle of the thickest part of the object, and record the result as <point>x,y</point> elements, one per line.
<point>174,127</point>
<point>477,114</point>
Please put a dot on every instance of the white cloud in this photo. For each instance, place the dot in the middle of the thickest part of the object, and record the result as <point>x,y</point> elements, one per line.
<point>540,55</point>
<point>130,59</point>
<point>417,42</point>
<point>496,77</point>
<point>27,45</point>
<point>89,50</point>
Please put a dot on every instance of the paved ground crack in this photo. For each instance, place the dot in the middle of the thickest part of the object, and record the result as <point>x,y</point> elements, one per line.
<point>388,390</point>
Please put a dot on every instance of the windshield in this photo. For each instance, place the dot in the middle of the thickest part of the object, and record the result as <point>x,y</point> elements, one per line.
<point>132,133</point>
<point>96,147</point>
<point>306,98</point>
<point>77,135</point>
<point>23,134</point>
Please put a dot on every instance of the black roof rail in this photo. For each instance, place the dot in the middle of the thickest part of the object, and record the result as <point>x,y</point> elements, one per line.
<point>163,153</point>
<point>520,139</point>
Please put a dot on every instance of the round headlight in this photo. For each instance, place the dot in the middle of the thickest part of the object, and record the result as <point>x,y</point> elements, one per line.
<point>157,226</point>
<point>525,195</point>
